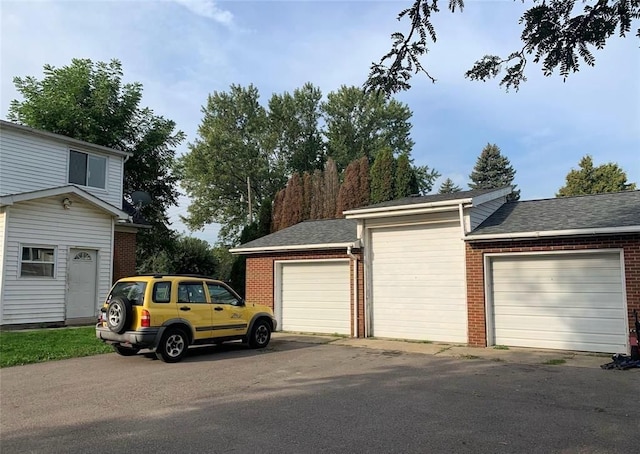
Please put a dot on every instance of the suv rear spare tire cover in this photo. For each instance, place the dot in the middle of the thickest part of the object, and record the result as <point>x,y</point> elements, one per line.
<point>119,314</point>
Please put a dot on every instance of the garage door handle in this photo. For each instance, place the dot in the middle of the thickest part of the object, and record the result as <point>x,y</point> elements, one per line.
<point>185,308</point>
<point>217,308</point>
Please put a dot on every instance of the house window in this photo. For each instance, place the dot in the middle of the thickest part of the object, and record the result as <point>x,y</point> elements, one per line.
<point>37,262</point>
<point>87,170</point>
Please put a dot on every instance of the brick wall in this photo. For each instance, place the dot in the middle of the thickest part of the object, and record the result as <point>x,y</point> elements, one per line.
<point>260,278</point>
<point>124,255</point>
<point>475,271</point>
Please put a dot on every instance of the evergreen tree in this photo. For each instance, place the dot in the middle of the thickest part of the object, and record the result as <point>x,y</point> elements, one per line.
<point>383,176</point>
<point>492,171</point>
<point>405,183</point>
<point>276,223</point>
<point>449,187</point>
<point>349,189</point>
<point>595,180</point>
<point>307,188</point>
<point>292,204</point>
<point>331,186</point>
<point>317,195</point>
<point>364,190</point>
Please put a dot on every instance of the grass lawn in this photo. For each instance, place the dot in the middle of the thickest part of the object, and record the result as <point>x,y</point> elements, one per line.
<point>36,346</point>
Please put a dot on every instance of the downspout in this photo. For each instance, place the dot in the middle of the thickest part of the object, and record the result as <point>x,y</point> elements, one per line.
<point>355,291</point>
<point>461,211</point>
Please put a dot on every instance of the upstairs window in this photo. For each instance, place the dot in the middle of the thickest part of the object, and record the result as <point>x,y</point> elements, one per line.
<point>87,170</point>
<point>37,262</point>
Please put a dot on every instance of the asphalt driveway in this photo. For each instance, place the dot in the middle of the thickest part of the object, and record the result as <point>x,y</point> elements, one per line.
<point>301,397</point>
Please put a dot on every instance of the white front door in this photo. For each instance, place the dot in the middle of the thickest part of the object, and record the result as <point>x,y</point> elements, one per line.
<point>81,297</point>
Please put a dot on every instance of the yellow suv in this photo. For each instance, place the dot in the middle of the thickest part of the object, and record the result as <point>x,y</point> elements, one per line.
<point>167,314</point>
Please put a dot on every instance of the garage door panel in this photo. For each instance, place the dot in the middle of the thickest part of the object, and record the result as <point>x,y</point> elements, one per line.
<point>565,301</point>
<point>315,297</point>
<point>418,283</point>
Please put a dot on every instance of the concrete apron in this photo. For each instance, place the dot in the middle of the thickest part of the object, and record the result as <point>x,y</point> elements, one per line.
<point>505,354</point>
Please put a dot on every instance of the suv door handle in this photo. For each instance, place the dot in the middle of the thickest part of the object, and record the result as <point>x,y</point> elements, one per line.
<point>185,308</point>
<point>218,308</point>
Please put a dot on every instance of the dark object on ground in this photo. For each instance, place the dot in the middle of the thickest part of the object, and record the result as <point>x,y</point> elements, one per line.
<point>635,349</point>
<point>621,362</point>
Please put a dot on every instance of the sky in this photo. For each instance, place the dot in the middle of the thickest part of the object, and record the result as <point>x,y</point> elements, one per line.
<point>183,50</point>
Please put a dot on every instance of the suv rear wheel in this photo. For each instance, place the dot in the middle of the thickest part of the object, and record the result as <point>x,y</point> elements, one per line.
<point>173,346</point>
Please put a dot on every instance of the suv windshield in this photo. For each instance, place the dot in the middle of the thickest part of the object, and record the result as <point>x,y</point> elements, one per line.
<point>133,291</point>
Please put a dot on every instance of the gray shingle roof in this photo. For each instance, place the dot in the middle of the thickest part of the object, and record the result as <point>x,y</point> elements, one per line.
<point>619,209</point>
<point>414,200</point>
<point>327,231</point>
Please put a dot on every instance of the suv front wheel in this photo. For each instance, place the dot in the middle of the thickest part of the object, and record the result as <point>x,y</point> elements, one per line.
<point>173,346</point>
<point>260,334</point>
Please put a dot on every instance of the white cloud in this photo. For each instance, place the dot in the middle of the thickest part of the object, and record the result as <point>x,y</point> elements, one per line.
<point>208,9</point>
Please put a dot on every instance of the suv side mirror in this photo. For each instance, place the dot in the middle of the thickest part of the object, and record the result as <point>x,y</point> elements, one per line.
<point>241,302</point>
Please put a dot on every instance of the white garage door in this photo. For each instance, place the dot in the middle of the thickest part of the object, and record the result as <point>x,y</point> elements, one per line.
<point>316,297</point>
<point>418,283</point>
<point>561,301</point>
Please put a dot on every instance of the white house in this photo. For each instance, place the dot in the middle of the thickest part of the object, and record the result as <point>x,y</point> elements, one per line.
<point>60,203</point>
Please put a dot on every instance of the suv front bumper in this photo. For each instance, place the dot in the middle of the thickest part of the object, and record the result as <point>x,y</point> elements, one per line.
<point>145,338</point>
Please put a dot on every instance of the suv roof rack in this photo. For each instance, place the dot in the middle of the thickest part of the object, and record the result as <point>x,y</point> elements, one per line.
<point>161,275</point>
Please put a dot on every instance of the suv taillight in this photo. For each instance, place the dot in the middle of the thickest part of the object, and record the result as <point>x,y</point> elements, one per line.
<point>145,320</point>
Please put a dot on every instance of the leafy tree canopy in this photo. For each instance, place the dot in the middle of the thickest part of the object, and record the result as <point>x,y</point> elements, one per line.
<point>88,101</point>
<point>188,255</point>
<point>560,34</point>
<point>492,171</point>
<point>588,179</point>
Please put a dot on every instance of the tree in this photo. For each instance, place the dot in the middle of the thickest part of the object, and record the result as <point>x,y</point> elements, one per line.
<point>558,33</point>
<point>88,101</point>
<point>331,187</point>
<point>360,124</point>
<point>492,170</point>
<point>383,173</point>
<point>405,181</point>
<point>316,210</point>
<point>292,204</point>
<point>449,187</point>
<point>354,190</point>
<point>230,148</point>
<point>294,128</point>
<point>588,179</point>
<point>188,255</point>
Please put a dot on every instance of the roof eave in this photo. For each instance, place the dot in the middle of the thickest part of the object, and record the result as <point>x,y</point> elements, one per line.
<point>292,248</point>
<point>552,233</point>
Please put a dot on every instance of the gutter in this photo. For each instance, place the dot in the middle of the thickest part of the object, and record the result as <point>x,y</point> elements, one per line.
<point>404,212</point>
<point>291,248</point>
<point>553,233</point>
<point>357,214</point>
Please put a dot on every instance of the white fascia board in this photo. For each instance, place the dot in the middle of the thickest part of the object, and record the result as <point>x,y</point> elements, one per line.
<point>554,233</point>
<point>60,138</point>
<point>425,207</point>
<point>62,190</point>
<point>409,210</point>
<point>292,248</point>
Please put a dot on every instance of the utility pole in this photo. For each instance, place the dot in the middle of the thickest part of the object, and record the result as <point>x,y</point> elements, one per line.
<point>249,200</point>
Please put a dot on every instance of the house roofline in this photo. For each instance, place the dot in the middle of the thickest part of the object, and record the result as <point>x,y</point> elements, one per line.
<point>10,199</point>
<point>64,139</point>
<point>552,233</point>
<point>292,248</point>
<point>419,208</point>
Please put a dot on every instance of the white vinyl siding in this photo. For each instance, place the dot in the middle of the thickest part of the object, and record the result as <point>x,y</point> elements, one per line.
<point>418,283</point>
<point>478,214</point>
<point>565,301</point>
<point>3,231</point>
<point>46,222</point>
<point>30,163</point>
<point>315,297</point>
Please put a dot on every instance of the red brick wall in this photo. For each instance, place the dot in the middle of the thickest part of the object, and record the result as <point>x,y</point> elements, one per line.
<point>260,278</point>
<point>475,271</point>
<point>124,255</point>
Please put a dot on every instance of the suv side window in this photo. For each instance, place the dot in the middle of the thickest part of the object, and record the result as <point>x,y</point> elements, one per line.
<point>133,291</point>
<point>220,295</point>
<point>191,292</point>
<point>162,292</point>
